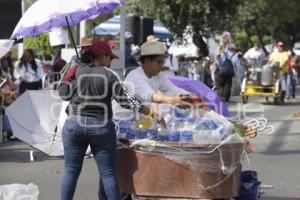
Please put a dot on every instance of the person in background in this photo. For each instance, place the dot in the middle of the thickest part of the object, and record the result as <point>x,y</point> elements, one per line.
<point>90,121</point>
<point>59,65</point>
<point>171,66</point>
<point>226,51</point>
<point>8,90</point>
<point>223,46</point>
<point>225,42</point>
<point>255,55</point>
<point>58,38</point>
<point>28,72</point>
<point>291,76</point>
<point>6,66</point>
<point>85,43</point>
<point>130,60</point>
<point>281,56</point>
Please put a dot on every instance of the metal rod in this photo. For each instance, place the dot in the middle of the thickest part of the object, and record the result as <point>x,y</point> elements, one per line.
<point>72,39</point>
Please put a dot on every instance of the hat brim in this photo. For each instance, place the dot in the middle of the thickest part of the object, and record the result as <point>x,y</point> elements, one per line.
<point>84,45</point>
<point>113,56</point>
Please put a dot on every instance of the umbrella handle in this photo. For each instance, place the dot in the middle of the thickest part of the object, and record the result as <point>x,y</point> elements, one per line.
<point>72,38</point>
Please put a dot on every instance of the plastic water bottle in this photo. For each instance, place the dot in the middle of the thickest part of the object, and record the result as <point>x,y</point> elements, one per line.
<point>215,137</point>
<point>131,132</point>
<point>202,137</point>
<point>152,131</point>
<point>123,127</point>
<point>178,114</point>
<point>186,132</point>
<point>162,134</point>
<point>174,134</point>
<point>141,132</point>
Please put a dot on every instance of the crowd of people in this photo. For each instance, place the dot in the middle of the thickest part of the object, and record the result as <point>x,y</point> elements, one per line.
<point>253,59</point>
<point>147,69</point>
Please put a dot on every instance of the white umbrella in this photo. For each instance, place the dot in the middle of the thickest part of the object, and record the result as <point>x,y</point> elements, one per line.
<point>37,118</point>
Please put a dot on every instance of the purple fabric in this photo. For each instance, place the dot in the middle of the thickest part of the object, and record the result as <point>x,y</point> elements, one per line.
<point>199,88</point>
<point>60,21</point>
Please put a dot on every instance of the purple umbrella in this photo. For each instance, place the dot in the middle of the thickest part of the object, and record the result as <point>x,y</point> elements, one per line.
<point>202,90</point>
<point>44,15</point>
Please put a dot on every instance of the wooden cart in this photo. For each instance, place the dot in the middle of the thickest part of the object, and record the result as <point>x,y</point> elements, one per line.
<point>153,175</point>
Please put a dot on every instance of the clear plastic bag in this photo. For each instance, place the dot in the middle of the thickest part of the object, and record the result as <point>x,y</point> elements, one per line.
<point>19,192</point>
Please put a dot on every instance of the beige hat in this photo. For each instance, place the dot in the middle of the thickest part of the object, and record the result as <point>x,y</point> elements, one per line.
<point>86,42</point>
<point>152,38</point>
<point>153,48</point>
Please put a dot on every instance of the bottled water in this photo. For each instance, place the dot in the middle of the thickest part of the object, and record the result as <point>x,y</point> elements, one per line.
<point>123,127</point>
<point>162,134</point>
<point>152,132</point>
<point>186,132</point>
<point>131,132</point>
<point>174,134</point>
<point>202,137</point>
<point>178,114</point>
<point>141,132</point>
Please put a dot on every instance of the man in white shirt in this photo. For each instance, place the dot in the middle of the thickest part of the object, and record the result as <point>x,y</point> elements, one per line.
<point>148,84</point>
<point>255,55</point>
<point>58,38</point>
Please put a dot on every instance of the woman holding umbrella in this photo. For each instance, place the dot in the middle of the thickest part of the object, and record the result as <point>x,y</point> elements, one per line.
<point>90,119</point>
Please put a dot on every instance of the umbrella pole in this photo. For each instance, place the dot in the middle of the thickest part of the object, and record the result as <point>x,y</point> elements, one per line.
<point>72,39</point>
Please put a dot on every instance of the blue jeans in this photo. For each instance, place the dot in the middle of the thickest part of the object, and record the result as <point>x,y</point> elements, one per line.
<point>6,127</point>
<point>79,132</point>
<point>291,85</point>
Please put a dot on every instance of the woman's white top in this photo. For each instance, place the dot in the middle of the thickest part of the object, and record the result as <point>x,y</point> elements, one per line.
<point>28,72</point>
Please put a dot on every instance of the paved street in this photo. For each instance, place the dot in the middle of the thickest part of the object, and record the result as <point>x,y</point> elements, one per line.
<point>276,158</point>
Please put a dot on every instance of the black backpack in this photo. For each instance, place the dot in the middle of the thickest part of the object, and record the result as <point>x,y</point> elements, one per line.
<point>227,68</point>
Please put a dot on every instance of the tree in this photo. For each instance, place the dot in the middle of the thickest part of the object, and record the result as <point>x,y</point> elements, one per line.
<point>203,16</point>
<point>40,43</point>
<point>267,17</point>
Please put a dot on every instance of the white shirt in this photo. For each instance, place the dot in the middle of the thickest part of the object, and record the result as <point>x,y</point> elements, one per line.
<point>172,63</point>
<point>143,88</point>
<point>59,36</point>
<point>255,55</point>
<point>29,73</point>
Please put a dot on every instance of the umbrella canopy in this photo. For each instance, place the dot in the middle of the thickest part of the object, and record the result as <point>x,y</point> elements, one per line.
<point>37,118</point>
<point>112,27</point>
<point>46,14</point>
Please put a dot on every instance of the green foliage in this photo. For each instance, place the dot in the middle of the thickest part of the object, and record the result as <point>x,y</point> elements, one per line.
<point>40,43</point>
<point>241,39</point>
<point>202,15</point>
<point>278,19</point>
<point>267,39</point>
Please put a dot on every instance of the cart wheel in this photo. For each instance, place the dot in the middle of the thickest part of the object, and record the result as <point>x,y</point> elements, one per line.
<point>245,99</point>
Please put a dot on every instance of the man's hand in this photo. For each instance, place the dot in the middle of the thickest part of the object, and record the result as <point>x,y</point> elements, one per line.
<point>159,119</point>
